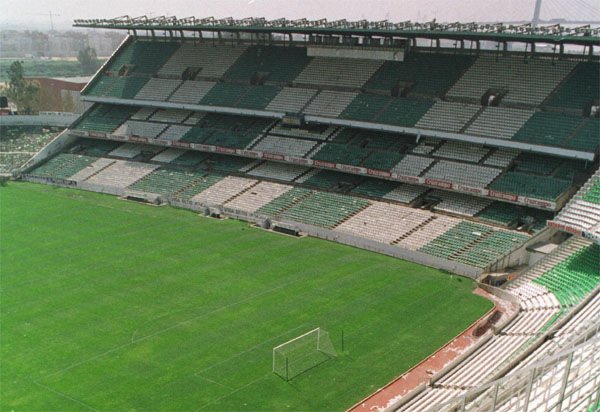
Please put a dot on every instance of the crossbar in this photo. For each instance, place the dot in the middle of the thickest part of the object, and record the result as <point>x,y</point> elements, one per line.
<point>318,330</point>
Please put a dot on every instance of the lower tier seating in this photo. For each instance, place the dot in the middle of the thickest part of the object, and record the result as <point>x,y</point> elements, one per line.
<point>384,222</point>
<point>165,181</point>
<point>258,196</point>
<point>121,174</point>
<point>324,209</point>
<point>64,166</point>
<point>224,190</point>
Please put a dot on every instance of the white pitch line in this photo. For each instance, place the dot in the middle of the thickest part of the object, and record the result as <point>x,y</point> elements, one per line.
<point>63,395</point>
<point>176,325</point>
<point>249,349</point>
<point>232,392</point>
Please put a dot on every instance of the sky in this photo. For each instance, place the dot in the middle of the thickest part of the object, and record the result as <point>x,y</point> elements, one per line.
<point>19,14</point>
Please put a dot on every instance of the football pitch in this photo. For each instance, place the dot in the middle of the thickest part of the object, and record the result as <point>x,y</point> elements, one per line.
<point>112,305</point>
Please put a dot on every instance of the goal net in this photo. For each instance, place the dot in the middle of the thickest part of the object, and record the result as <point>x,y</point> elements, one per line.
<point>302,353</point>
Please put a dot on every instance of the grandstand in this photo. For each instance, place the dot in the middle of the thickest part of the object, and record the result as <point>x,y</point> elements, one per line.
<point>482,162</point>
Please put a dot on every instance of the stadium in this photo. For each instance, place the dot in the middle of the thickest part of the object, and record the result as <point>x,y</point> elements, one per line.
<point>313,215</point>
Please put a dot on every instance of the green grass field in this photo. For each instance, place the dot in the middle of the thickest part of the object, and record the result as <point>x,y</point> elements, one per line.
<point>112,305</point>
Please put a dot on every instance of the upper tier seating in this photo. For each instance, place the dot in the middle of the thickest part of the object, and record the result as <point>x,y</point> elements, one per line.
<point>499,122</point>
<point>284,145</point>
<point>430,74</point>
<point>224,94</point>
<point>121,174</point>
<point>213,60</point>
<point>157,89</point>
<point>539,187</point>
<point>258,196</point>
<point>402,111</point>
<point>365,107</point>
<point>339,72</point>
<point>113,86</point>
<point>278,63</point>
<point>291,99</point>
<point>258,97</point>
<point>525,81</point>
<point>191,91</point>
<point>447,116</point>
<point>244,96</point>
<point>463,173</point>
<point>547,128</point>
<point>579,89</point>
<point>587,136</point>
<point>329,103</point>
<point>146,56</point>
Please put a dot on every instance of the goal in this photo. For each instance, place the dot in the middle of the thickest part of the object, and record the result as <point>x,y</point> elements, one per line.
<point>302,353</point>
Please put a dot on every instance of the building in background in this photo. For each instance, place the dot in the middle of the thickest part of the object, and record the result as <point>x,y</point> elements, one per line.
<point>61,94</point>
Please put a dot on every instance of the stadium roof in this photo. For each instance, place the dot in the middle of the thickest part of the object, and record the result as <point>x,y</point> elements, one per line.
<point>584,35</point>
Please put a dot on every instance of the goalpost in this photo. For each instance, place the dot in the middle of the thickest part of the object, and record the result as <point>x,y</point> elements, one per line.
<point>302,353</point>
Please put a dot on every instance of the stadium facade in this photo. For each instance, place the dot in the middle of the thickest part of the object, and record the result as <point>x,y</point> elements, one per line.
<point>471,148</point>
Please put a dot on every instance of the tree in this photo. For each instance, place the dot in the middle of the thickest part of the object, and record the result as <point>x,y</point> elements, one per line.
<point>88,60</point>
<point>21,91</point>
